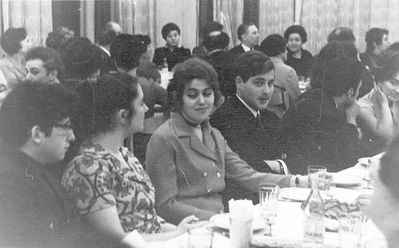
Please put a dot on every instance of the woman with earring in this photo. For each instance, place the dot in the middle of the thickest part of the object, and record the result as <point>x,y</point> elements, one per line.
<point>379,116</point>
<point>106,182</point>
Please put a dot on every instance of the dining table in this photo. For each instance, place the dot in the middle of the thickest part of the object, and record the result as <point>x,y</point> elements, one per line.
<point>288,230</point>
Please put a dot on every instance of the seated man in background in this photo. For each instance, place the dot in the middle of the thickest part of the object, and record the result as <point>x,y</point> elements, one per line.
<point>209,29</point>
<point>286,88</point>
<point>248,35</point>
<point>36,132</point>
<point>251,130</point>
<point>321,127</point>
<point>43,64</point>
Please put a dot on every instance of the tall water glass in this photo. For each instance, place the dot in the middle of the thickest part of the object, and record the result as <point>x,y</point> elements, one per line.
<point>268,201</point>
<point>316,174</point>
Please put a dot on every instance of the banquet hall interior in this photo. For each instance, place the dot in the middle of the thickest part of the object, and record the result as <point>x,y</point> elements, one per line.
<point>199,123</point>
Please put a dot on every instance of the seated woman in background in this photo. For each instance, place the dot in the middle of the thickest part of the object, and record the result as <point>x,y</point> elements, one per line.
<point>188,160</point>
<point>297,57</point>
<point>172,53</point>
<point>15,43</point>
<point>383,208</point>
<point>107,184</point>
<point>379,116</point>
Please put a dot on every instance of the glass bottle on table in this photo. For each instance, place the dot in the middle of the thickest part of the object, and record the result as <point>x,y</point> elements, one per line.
<point>314,218</point>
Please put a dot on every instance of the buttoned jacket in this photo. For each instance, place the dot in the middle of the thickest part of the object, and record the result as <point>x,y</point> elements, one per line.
<point>188,175</point>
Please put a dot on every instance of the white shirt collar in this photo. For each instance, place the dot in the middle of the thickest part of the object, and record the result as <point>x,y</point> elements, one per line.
<point>255,113</point>
<point>105,50</point>
<point>246,48</point>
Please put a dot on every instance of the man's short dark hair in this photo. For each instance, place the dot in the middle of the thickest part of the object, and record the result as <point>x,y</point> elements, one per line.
<point>252,63</point>
<point>57,38</point>
<point>273,45</point>
<point>220,41</point>
<point>169,27</point>
<point>30,104</point>
<point>126,51</point>
<point>50,57</point>
<point>341,34</point>
<point>296,29</point>
<point>243,28</point>
<point>211,27</point>
<point>11,40</point>
<point>81,58</point>
<point>342,73</point>
<point>374,36</point>
<point>330,51</point>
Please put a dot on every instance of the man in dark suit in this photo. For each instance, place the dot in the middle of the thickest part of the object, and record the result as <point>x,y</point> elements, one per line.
<point>248,35</point>
<point>244,121</point>
<point>111,30</point>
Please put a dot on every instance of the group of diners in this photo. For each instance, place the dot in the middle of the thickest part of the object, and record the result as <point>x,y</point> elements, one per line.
<point>67,178</point>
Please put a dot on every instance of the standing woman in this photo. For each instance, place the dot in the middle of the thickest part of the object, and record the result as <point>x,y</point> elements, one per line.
<point>15,43</point>
<point>297,57</point>
<point>172,53</point>
<point>107,184</point>
<point>188,160</point>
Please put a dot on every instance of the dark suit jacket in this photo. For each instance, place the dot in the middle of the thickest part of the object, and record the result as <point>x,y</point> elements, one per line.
<point>173,57</point>
<point>254,142</point>
<point>35,210</point>
<point>105,62</point>
<point>317,133</point>
<point>369,72</point>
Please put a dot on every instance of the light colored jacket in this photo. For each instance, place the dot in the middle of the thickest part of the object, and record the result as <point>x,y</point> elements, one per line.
<point>188,174</point>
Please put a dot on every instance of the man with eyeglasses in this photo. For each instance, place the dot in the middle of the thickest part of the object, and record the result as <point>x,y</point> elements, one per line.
<point>35,133</point>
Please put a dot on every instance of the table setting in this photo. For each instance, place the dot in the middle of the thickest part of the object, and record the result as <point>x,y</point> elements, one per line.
<point>284,216</point>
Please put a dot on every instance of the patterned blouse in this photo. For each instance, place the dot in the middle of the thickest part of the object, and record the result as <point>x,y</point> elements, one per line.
<point>96,180</point>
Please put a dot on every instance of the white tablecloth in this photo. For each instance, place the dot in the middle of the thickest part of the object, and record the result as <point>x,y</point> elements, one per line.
<point>289,224</point>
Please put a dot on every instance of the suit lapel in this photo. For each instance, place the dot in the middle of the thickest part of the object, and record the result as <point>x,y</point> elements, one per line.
<point>185,132</point>
<point>243,111</point>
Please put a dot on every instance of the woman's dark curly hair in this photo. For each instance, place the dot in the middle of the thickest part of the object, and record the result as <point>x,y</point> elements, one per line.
<point>102,101</point>
<point>11,40</point>
<point>185,72</point>
<point>296,29</point>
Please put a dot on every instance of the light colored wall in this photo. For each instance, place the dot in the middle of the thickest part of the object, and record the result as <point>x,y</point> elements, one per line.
<point>182,12</point>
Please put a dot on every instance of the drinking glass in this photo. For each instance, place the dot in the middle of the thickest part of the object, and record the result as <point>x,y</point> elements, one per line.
<point>268,201</point>
<point>350,230</point>
<point>316,174</point>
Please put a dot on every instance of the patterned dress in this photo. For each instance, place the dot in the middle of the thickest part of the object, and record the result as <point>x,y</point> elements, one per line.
<point>97,180</point>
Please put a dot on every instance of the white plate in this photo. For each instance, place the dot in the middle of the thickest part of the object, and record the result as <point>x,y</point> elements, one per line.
<point>223,221</point>
<point>346,181</point>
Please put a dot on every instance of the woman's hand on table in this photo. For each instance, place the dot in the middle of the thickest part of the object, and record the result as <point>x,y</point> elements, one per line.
<point>190,222</point>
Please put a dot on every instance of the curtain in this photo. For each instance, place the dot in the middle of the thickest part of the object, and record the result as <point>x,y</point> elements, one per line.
<point>87,19</point>
<point>275,16</point>
<point>230,15</point>
<point>320,17</point>
<point>34,15</point>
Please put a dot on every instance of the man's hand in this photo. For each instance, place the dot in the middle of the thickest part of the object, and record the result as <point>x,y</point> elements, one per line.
<point>352,112</point>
